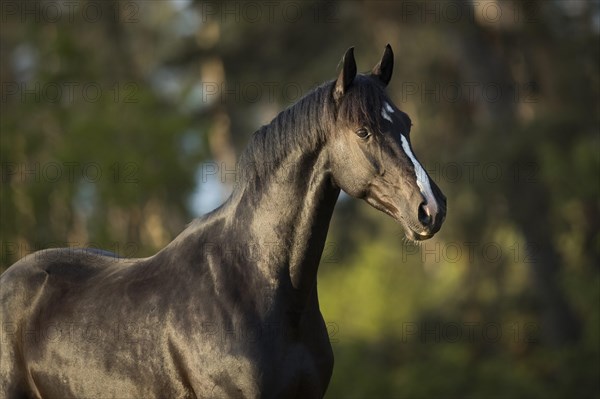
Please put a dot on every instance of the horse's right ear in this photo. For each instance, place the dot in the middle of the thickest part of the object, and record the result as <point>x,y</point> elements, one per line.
<point>347,75</point>
<point>383,70</point>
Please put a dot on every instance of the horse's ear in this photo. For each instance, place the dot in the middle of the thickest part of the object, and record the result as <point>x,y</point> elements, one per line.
<point>347,75</point>
<point>383,70</point>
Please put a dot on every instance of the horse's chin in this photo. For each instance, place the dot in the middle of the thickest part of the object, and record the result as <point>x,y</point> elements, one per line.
<point>414,236</point>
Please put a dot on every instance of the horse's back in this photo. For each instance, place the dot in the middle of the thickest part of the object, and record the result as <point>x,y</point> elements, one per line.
<point>25,286</point>
<point>85,323</point>
<point>25,280</point>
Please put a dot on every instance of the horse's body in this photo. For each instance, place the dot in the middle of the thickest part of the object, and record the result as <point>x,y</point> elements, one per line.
<point>229,308</point>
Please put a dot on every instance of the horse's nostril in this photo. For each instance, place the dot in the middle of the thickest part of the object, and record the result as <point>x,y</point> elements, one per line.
<point>424,214</point>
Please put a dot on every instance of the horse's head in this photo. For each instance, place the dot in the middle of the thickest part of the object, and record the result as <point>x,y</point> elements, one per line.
<point>371,155</point>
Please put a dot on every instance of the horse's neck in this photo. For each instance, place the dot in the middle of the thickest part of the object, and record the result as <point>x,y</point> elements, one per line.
<point>288,217</point>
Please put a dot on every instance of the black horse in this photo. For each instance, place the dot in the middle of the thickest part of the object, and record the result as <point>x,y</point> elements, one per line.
<point>229,309</point>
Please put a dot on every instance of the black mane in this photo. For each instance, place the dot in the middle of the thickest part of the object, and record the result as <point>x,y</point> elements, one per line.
<point>302,125</point>
<point>306,124</point>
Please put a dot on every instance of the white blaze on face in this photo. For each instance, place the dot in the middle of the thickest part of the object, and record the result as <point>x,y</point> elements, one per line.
<point>386,111</point>
<point>422,178</point>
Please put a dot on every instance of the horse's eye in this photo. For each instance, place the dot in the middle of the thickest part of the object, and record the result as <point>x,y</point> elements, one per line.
<point>362,133</point>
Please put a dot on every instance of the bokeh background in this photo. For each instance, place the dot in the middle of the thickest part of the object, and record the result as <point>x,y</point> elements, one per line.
<point>121,121</point>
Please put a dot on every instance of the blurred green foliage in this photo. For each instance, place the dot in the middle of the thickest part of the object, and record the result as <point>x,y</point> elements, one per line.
<point>504,97</point>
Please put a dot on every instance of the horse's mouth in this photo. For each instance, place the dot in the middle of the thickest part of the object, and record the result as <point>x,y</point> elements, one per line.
<point>411,233</point>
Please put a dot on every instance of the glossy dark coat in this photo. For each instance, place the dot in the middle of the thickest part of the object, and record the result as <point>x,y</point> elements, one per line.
<point>229,309</point>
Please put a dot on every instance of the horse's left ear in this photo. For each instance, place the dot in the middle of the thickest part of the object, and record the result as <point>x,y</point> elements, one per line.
<point>347,75</point>
<point>383,70</point>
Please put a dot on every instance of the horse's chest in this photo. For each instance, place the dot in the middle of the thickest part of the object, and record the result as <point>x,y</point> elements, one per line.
<point>274,364</point>
<point>294,373</point>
